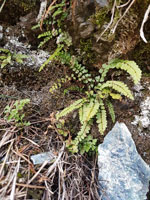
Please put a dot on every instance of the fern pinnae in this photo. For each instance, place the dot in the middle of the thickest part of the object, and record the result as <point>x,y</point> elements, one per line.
<point>77,104</point>
<point>51,57</point>
<point>119,87</point>
<point>90,109</point>
<point>81,114</point>
<point>132,68</point>
<point>111,110</point>
<point>85,128</point>
<point>102,118</point>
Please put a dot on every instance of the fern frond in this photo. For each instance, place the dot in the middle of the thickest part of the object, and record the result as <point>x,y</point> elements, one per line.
<point>119,87</point>
<point>89,110</point>
<point>46,39</point>
<point>81,114</point>
<point>102,118</point>
<point>82,133</point>
<point>111,110</point>
<point>73,146</point>
<point>52,57</point>
<point>131,67</point>
<point>77,104</point>
<point>59,83</point>
<point>45,34</point>
<point>104,70</point>
<point>115,96</point>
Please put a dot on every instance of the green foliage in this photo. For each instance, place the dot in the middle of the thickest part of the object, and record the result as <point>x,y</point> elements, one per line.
<point>47,36</point>
<point>111,110</point>
<point>98,95</point>
<point>6,57</point>
<point>98,91</point>
<point>59,83</point>
<point>88,145</point>
<point>54,26</point>
<point>77,104</point>
<point>51,57</point>
<point>73,88</point>
<point>129,66</point>
<point>14,112</point>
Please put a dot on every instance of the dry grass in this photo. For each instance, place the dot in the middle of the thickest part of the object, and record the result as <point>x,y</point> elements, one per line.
<point>68,177</point>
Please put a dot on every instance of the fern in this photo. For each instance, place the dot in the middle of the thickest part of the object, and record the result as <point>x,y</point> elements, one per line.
<point>98,92</point>
<point>119,87</point>
<point>102,118</point>
<point>77,104</point>
<point>81,135</point>
<point>52,57</point>
<point>129,66</point>
<point>59,83</point>
<point>89,110</point>
<point>111,110</point>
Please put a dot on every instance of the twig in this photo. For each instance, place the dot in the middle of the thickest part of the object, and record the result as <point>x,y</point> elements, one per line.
<point>143,22</point>
<point>44,164</point>
<point>114,29</point>
<point>46,13</point>
<point>2,167</point>
<point>30,186</point>
<point>12,194</point>
<point>121,6</point>
<point>31,141</point>
<point>56,162</point>
<point>111,21</point>
<point>7,136</point>
<point>1,8</point>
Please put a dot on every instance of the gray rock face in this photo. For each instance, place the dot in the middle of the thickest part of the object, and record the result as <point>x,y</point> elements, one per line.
<point>1,32</point>
<point>143,120</point>
<point>123,175</point>
<point>102,3</point>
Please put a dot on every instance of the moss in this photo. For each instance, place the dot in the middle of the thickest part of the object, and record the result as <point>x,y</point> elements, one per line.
<point>100,17</point>
<point>86,50</point>
<point>25,5</point>
<point>141,54</point>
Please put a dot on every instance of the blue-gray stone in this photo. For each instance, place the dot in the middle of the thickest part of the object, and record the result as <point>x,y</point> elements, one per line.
<point>42,157</point>
<point>102,3</point>
<point>123,174</point>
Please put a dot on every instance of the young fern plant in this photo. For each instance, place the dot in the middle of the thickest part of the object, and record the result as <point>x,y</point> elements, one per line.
<point>99,95</point>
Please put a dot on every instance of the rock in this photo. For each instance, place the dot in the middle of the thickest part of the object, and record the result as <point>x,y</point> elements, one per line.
<point>143,120</point>
<point>1,32</point>
<point>86,28</point>
<point>42,157</point>
<point>122,172</point>
<point>102,3</point>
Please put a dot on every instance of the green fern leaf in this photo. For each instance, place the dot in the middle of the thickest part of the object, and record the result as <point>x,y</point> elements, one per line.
<point>119,87</point>
<point>77,104</point>
<point>52,57</point>
<point>83,132</point>
<point>74,145</point>
<point>102,118</point>
<point>44,41</point>
<point>115,96</point>
<point>89,110</point>
<point>45,34</point>
<point>81,114</point>
<point>131,67</point>
<point>111,110</point>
